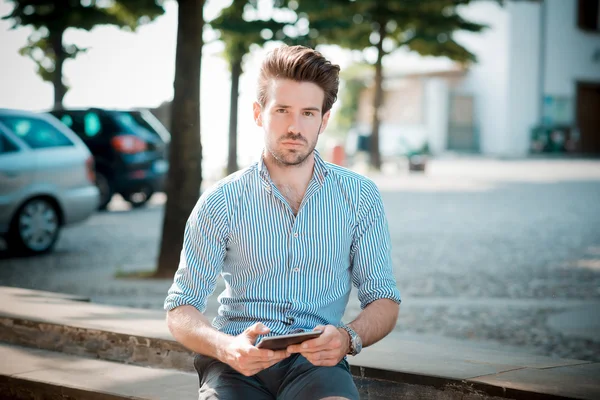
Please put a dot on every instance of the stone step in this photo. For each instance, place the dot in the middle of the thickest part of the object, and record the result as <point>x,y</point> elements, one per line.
<point>95,343</point>
<point>27,373</point>
<point>398,367</point>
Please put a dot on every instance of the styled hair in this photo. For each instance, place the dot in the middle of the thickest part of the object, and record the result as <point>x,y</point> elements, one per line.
<point>301,64</point>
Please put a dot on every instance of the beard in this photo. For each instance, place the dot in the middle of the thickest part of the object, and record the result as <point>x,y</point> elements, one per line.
<point>295,156</point>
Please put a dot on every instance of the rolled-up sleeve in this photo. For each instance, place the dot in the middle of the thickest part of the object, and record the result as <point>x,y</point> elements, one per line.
<point>202,254</point>
<point>372,269</point>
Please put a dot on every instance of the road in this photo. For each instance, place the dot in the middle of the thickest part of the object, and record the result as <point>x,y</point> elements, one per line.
<point>499,252</point>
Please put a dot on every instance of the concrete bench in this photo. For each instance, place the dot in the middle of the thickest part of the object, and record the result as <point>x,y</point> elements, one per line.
<point>28,373</point>
<point>66,326</point>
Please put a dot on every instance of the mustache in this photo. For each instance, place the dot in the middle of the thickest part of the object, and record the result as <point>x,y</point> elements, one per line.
<point>291,136</point>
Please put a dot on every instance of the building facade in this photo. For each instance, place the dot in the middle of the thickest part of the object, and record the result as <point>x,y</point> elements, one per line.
<point>538,66</point>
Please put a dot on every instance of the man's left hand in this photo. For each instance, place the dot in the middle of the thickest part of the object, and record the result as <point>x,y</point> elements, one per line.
<point>327,350</point>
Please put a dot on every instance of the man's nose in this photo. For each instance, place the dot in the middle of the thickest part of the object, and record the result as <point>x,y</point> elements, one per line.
<point>294,124</point>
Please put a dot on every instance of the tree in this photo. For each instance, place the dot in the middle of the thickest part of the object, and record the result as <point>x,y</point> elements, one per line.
<point>51,18</point>
<point>354,82</point>
<point>385,26</point>
<point>185,150</point>
<point>239,35</point>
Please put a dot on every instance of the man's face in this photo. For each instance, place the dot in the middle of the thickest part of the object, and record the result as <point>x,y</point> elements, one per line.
<point>291,119</point>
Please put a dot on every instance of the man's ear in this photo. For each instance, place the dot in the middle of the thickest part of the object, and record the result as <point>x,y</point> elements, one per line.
<point>257,110</point>
<point>324,121</point>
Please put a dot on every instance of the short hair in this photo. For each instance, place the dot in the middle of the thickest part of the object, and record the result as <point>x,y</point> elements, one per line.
<point>301,64</point>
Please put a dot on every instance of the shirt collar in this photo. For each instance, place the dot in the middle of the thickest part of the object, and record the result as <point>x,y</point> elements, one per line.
<point>320,172</point>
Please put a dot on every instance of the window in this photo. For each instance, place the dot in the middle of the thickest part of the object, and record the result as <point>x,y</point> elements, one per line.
<point>37,133</point>
<point>588,15</point>
<point>86,124</point>
<point>92,124</point>
<point>134,122</point>
<point>6,145</point>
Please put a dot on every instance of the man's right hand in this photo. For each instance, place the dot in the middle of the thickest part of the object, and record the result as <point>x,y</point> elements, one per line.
<point>241,354</point>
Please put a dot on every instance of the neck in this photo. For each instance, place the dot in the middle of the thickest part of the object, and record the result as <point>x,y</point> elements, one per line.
<point>296,176</point>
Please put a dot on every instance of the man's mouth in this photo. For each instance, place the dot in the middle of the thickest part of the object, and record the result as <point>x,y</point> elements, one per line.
<point>292,143</point>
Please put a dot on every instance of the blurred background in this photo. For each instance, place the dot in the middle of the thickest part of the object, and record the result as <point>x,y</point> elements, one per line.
<point>479,121</point>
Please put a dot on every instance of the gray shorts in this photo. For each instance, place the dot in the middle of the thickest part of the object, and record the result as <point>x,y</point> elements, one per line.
<point>294,378</point>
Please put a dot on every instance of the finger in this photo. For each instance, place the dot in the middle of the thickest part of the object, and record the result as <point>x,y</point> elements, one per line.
<point>330,334</point>
<point>323,358</point>
<point>316,345</point>
<point>266,354</point>
<point>271,363</point>
<point>322,355</point>
<point>254,331</point>
<point>308,345</point>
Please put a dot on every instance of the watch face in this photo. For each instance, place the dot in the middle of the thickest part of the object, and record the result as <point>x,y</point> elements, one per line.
<point>357,345</point>
<point>355,341</point>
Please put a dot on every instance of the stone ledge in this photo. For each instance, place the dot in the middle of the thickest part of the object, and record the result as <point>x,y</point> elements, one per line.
<point>36,374</point>
<point>391,367</point>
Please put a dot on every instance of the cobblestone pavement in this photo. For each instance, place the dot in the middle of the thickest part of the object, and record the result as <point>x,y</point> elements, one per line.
<point>484,250</point>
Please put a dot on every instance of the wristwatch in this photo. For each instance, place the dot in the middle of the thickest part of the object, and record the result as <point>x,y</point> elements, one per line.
<point>355,341</point>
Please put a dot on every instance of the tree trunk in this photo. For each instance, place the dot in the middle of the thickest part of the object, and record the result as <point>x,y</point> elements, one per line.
<point>60,89</point>
<point>185,153</point>
<point>236,71</point>
<point>377,102</point>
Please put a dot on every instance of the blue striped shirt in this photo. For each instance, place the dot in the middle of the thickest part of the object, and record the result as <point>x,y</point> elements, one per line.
<point>287,271</point>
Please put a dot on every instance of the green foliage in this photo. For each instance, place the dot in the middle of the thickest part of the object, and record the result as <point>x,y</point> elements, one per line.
<point>51,18</point>
<point>423,26</point>
<point>239,34</point>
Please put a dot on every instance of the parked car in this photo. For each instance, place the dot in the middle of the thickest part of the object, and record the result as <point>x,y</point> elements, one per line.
<point>130,150</point>
<point>46,180</point>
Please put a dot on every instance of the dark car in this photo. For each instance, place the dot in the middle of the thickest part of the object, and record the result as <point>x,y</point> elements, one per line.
<point>130,150</point>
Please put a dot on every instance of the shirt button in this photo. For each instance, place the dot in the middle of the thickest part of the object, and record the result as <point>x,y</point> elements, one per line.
<point>296,269</point>
<point>296,234</point>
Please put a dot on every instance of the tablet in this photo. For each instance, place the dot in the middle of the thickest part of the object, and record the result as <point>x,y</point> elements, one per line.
<point>283,341</point>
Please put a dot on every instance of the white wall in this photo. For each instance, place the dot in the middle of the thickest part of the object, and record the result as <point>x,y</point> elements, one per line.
<point>524,97</point>
<point>437,113</point>
<point>394,139</point>
<point>569,51</point>
<point>488,79</point>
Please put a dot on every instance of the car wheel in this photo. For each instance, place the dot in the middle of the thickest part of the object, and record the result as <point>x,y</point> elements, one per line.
<point>139,198</point>
<point>106,190</point>
<point>35,227</point>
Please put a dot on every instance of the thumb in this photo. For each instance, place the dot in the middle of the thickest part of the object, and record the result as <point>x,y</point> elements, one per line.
<point>254,331</point>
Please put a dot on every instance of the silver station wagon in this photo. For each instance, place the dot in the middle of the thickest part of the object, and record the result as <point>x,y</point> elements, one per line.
<point>46,180</point>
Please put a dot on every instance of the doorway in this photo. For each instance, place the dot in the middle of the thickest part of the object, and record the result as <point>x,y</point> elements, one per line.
<point>588,117</point>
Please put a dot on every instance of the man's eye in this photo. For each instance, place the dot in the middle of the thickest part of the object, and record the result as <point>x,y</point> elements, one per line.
<point>308,114</point>
<point>280,110</point>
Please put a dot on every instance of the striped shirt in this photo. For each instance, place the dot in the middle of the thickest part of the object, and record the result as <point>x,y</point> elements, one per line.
<point>287,271</point>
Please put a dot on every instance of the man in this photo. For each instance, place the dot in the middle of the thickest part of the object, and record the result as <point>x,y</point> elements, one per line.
<point>289,235</point>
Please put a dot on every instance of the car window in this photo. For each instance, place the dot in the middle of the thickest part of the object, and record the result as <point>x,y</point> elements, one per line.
<point>6,145</point>
<point>83,124</point>
<point>37,133</point>
<point>92,124</point>
<point>133,121</point>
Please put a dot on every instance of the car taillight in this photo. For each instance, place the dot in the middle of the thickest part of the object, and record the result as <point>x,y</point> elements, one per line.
<point>128,144</point>
<point>90,169</point>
